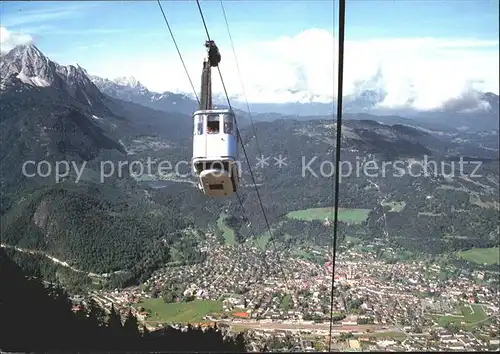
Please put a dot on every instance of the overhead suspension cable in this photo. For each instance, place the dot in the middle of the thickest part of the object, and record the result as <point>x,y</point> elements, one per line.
<point>237,129</point>
<point>196,95</point>
<point>229,103</point>
<point>244,212</point>
<point>241,140</point>
<point>238,133</point>
<point>253,126</point>
<point>243,88</point>
<point>178,51</point>
<point>337,155</point>
<point>241,78</point>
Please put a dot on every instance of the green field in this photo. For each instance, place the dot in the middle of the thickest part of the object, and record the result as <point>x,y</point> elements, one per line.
<point>474,313</point>
<point>395,206</point>
<point>310,256</point>
<point>183,312</point>
<point>351,239</point>
<point>481,255</point>
<point>263,240</point>
<point>145,178</point>
<point>345,214</point>
<point>227,232</point>
<point>469,316</point>
<point>88,174</point>
<point>286,303</point>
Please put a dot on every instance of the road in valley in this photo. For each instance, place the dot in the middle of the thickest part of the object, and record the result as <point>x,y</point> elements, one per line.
<point>308,326</point>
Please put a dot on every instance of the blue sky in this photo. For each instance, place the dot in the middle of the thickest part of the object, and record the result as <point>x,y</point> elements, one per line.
<point>99,35</point>
<point>122,27</point>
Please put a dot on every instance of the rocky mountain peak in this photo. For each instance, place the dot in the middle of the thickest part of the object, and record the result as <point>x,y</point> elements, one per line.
<point>28,65</point>
<point>128,81</point>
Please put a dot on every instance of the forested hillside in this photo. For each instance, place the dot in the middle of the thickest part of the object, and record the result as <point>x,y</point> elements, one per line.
<point>58,142</point>
<point>36,317</point>
<point>439,208</point>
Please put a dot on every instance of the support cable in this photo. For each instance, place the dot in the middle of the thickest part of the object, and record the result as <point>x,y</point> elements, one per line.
<point>337,156</point>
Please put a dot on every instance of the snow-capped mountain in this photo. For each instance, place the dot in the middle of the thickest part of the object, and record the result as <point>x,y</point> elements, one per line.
<point>51,111</point>
<point>55,111</point>
<point>128,81</point>
<point>130,89</point>
<point>123,86</point>
<point>29,66</point>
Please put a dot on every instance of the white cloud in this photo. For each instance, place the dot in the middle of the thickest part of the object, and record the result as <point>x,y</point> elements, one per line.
<point>425,71</point>
<point>9,40</point>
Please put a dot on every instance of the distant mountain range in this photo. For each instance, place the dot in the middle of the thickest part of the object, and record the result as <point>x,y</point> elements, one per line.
<point>129,89</point>
<point>482,109</point>
<point>461,113</point>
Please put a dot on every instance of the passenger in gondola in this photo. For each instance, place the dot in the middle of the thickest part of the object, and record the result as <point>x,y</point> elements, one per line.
<point>212,129</point>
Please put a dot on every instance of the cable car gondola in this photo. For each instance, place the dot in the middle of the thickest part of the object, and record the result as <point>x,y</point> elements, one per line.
<point>215,138</point>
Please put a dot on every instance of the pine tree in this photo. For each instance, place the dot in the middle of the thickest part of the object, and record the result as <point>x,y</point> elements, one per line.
<point>131,327</point>
<point>240,342</point>
<point>96,321</point>
<point>114,320</point>
<point>114,326</point>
